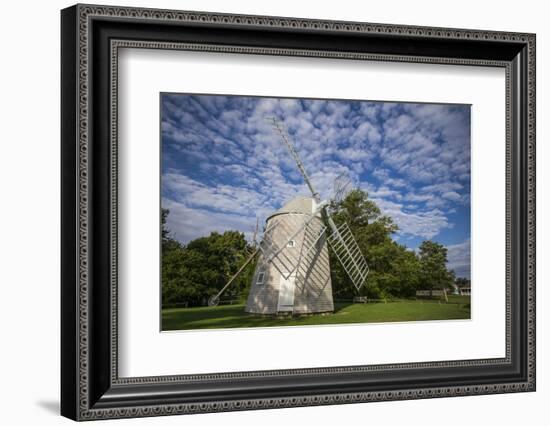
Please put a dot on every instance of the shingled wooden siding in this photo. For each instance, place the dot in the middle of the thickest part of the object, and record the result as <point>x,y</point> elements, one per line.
<point>313,287</point>
<point>314,294</point>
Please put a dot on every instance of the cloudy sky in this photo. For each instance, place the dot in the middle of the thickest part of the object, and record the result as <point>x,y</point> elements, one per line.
<point>223,166</point>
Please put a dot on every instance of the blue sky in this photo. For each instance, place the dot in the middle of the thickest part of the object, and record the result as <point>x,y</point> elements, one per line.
<point>223,165</point>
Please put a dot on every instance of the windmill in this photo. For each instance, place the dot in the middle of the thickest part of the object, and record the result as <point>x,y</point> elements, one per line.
<point>293,271</point>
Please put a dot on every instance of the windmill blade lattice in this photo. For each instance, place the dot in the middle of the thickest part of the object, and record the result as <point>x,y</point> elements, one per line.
<point>341,187</point>
<point>349,254</point>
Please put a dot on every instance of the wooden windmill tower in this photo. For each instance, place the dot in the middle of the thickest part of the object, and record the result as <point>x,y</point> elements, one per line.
<point>293,270</point>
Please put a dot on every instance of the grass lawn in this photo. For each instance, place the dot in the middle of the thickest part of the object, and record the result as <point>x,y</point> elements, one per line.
<point>233,316</point>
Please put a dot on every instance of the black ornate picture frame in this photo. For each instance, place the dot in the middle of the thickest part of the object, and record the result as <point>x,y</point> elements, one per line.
<point>90,385</point>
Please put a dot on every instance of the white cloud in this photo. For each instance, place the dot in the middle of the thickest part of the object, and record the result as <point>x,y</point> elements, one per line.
<point>222,198</point>
<point>385,192</point>
<point>414,197</point>
<point>186,224</point>
<point>384,176</point>
<point>366,132</point>
<point>418,154</point>
<point>427,143</point>
<point>452,196</point>
<point>425,224</point>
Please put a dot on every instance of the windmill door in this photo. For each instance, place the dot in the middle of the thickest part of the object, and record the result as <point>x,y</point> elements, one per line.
<point>286,294</point>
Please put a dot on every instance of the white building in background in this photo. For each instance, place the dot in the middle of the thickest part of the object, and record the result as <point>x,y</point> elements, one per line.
<point>465,291</point>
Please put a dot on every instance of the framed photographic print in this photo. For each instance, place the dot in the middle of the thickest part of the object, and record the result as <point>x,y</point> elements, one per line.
<point>376,191</point>
<point>263,212</point>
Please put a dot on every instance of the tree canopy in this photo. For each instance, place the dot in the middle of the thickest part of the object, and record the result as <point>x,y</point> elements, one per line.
<point>394,270</point>
<point>192,273</point>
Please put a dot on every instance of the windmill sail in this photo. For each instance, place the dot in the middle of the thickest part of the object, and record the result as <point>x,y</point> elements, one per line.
<point>341,239</point>
<point>349,254</point>
<point>342,187</point>
<point>278,127</point>
<point>215,299</point>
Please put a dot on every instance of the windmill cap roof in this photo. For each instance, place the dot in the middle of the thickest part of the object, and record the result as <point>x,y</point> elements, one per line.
<point>300,205</point>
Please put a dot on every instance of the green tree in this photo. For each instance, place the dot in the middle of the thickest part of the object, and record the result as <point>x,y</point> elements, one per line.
<point>406,268</point>
<point>357,210</point>
<point>462,282</point>
<point>192,273</point>
<point>164,229</point>
<point>433,269</point>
